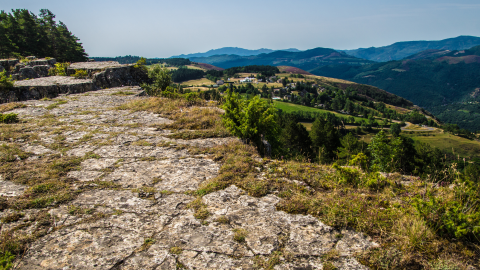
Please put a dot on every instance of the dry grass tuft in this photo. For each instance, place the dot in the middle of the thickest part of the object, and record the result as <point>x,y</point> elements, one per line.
<point>239,235</point>
<point>200,209</point>
<point>11,106</point>
<point>176,250</point>
<point>206,121</point>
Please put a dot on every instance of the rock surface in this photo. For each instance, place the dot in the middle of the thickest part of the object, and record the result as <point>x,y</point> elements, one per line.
<point>95,65</point>
<point>32,80</point>
<point>142,221</point>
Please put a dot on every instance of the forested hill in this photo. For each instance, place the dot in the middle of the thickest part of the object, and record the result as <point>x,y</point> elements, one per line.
<point>230,50</point>
<point>433,83</point>
<point>306,60</point>
<point>129,59</point>
<point>23,33</point>
<point>401,50</point>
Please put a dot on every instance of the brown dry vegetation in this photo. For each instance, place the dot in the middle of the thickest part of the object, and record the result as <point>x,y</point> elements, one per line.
<point>190,120</point>
<point>11,106</point>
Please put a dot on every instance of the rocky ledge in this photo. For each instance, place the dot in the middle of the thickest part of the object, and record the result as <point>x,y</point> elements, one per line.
<point>33,82</point>
<point>131,208</point>
<point>49,87</point>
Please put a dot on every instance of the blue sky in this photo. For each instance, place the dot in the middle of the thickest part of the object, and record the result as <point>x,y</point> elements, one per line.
<point>164,28</point>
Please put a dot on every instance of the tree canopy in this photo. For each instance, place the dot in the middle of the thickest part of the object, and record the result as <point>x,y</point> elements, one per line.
<point>23,33</point>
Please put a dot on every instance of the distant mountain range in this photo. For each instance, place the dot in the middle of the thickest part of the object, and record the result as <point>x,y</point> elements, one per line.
<point>396,51</point>
<point>231,50</point>
<point>401,50</point>
<point>306,60</point>
<point>442,76</point>
<point>434,79</point>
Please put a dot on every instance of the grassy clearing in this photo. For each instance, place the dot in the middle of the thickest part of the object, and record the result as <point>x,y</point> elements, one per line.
<point>195,67</point>
<point>450,143</point>
<point>199,82</point>
<point>307,125</point>
<point>190,122</point>
<point>290,107</point>
<point>327,79</point>
<point>196,88</point>
<point>443,141</point>
<point>398,109</point>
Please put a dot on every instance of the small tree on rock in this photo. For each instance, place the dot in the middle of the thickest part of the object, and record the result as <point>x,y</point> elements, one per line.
<point>251,119</point>
<point>161,80</point>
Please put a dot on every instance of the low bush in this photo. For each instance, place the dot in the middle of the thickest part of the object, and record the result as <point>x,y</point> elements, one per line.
<point>6,82</point>
<point>6,260</point>
<point>80,74</point>
<point>8,118</point>
<point>456,216</point>
<point>60,69</point>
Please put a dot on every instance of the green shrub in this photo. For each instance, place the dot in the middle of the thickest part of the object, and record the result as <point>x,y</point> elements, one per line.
<point>6,260</point>
<point>251,120</point>
<point>60,69</point>
<point>6,82</point>
<point>80,74</point>
<point>161,80</point>
<point>8,118</point>
<point>10,153</point>
<point>456,217</point>
<point>141,64</point>
<point>348,175</point>
<point>360,160</point>
<point>192,98</point>
<point>375,181</point>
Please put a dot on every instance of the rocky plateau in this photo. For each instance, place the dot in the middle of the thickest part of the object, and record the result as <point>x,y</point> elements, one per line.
<point>132,192</point>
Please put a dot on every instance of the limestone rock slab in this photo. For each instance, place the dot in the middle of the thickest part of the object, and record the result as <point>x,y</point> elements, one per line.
<point>10,189</point>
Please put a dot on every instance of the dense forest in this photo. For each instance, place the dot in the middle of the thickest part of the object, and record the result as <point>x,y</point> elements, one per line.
<point>184,74</point>
<point>464,114</point>
<point>23,33</point>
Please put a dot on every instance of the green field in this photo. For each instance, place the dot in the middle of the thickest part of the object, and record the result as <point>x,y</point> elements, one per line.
<point>307,125</point>
<point>290,107</point>
<point>199,82</point>
<point>443,141</point>
<point>448,142</point>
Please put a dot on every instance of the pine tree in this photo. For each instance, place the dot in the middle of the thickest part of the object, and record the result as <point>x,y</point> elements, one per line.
<point>22,33</point>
